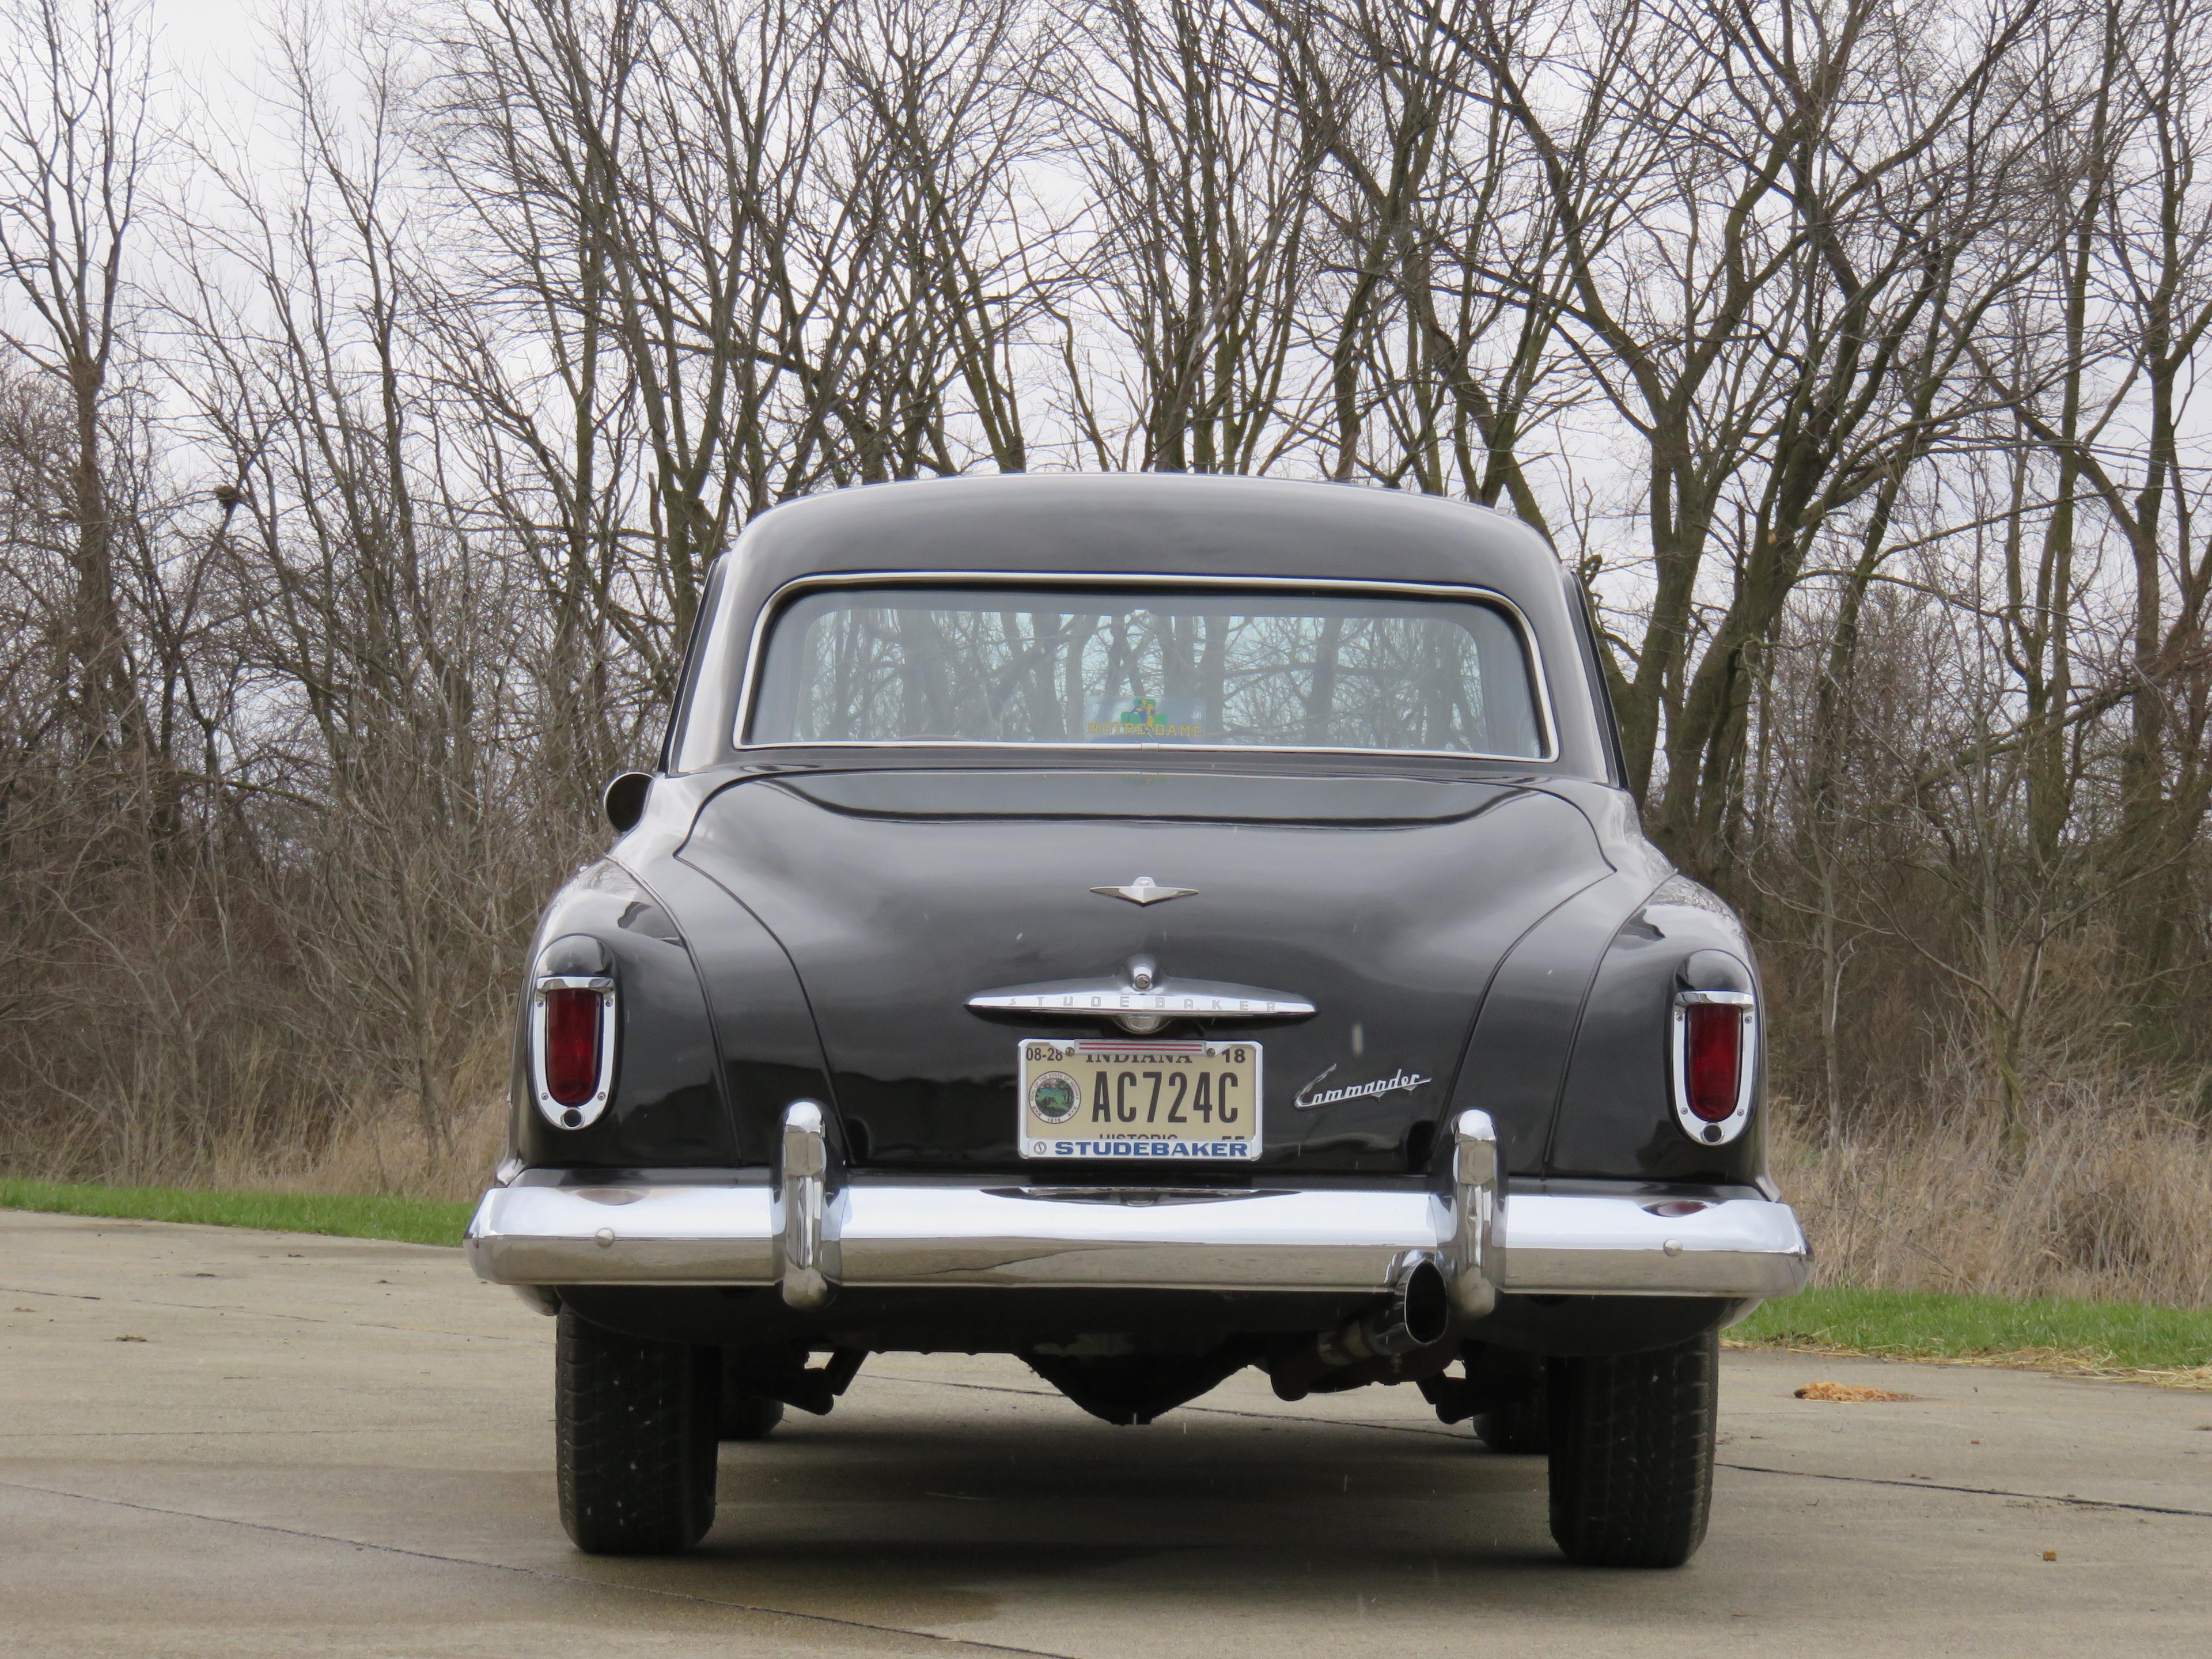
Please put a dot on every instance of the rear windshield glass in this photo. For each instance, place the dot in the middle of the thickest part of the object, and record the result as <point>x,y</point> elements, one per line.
<point>1305,671</point>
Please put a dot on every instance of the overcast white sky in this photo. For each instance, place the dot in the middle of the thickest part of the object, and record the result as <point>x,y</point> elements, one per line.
<point>197,36</point>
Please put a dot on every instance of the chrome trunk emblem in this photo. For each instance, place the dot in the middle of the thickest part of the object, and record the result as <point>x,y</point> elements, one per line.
<point>1144,890</point>
<point>1142,1008</point>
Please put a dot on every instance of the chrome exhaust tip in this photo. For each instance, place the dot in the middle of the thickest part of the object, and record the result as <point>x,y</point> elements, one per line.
<point>1417,1316</point>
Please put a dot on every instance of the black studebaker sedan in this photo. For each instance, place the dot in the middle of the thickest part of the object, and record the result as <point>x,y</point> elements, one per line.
<point>1150,926</point>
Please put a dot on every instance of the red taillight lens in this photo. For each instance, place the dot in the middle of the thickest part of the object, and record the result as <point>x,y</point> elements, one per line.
<point>571,1045</point>
<point>1713,1059</point>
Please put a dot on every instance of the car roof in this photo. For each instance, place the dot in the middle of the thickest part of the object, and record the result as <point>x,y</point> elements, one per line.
<point>1140,525</point>
<point>1145,523</point>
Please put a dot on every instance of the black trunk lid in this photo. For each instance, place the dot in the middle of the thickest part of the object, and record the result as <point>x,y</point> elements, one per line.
<point>1387,903</point>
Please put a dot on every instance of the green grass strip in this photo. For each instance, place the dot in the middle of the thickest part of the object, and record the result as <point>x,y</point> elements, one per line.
<point>402,1220</point>
<point>1936,1325</point>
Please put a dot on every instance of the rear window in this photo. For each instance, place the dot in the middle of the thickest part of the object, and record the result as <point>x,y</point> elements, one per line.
<point>1239,670</point>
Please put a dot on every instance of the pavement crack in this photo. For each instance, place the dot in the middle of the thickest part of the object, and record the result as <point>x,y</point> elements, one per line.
<point>1976,1491</point>
<point>950,1643</point>
<point>1719,1463</point>
<point>267,1313</point>
<point>194,1434</point>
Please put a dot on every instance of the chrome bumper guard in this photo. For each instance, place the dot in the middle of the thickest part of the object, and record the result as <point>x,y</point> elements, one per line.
<point>809,1235</point>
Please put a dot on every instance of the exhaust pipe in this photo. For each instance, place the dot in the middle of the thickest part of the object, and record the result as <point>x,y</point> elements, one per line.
<point>1417,1316</point>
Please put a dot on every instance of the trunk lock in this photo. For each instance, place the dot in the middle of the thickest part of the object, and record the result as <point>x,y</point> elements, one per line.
<point>1144,973</point>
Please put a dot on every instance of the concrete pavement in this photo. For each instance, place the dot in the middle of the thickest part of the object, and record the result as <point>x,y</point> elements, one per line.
<point>337,1446</point>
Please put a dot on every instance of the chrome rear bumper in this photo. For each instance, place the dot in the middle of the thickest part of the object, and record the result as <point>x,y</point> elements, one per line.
<point>810,1235</point>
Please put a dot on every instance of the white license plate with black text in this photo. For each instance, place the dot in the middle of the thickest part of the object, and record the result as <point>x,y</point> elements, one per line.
<point>1172,1102</point>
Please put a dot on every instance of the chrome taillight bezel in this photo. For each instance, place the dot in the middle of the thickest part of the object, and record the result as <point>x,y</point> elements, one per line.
<point>1717,1132</point>
<point>584,1115</point>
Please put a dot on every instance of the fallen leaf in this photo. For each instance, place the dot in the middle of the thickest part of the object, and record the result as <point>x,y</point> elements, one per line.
<point>2051,1555</point>
<point>1848,1394</point>
<point>130,1338</point>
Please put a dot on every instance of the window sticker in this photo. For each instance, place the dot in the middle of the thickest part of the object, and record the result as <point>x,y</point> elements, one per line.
<point>1145,720</point>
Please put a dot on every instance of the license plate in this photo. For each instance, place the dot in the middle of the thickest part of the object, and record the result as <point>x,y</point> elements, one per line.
<point>1171,1101</point>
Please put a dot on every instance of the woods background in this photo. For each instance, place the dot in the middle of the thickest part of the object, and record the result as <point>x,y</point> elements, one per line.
<point>369,422</point>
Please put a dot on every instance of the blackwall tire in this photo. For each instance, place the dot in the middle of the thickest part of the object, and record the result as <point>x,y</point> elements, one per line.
<point>635,1426</point>
<point>749,1416</point>
<point>1522,1428</point>
<point>1632,1438</point>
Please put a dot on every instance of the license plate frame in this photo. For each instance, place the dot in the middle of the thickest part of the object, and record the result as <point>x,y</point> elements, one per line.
<point>1050,1071</point>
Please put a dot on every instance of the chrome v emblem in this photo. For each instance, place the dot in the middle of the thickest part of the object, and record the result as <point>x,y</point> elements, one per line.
<point>1144,890</point>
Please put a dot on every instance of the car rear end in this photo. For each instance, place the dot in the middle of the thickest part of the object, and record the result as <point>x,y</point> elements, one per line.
<point>1149,973</point>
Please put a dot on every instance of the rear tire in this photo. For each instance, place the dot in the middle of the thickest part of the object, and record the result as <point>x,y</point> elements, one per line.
<point>748,1416</point>
<point>1632,1438</point>
<point>1521,1428</point>
<point>635,1426</point>
<point>745,1414</point>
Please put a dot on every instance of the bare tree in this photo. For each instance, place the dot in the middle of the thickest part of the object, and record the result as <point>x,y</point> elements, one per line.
<point>2134,280</point>
<point>1200,176</point>
<point>75,149</point>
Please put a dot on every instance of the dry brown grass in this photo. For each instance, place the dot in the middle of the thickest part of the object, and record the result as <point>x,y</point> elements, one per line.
<point>374,1151</point>
<point>2106,1194</point>
<point>376,1145</point>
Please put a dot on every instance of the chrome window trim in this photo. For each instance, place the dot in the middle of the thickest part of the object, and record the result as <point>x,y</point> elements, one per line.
<point>1463,594</point>
<point>551,1110</point>
<point>1746,1065</point>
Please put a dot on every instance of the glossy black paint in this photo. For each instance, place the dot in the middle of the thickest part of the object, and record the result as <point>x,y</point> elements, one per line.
<point>667,1105</point>
<point>1329,888</point>
<point>1615,1113</point>
<point>813,921</point>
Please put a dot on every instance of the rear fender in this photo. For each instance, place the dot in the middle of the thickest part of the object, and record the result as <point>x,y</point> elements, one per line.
<point>764,1030</point>
<point>666,1107</point>
<point>1616,1114</point>
<point>1517,1058</point>
<point>716,1036</point>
